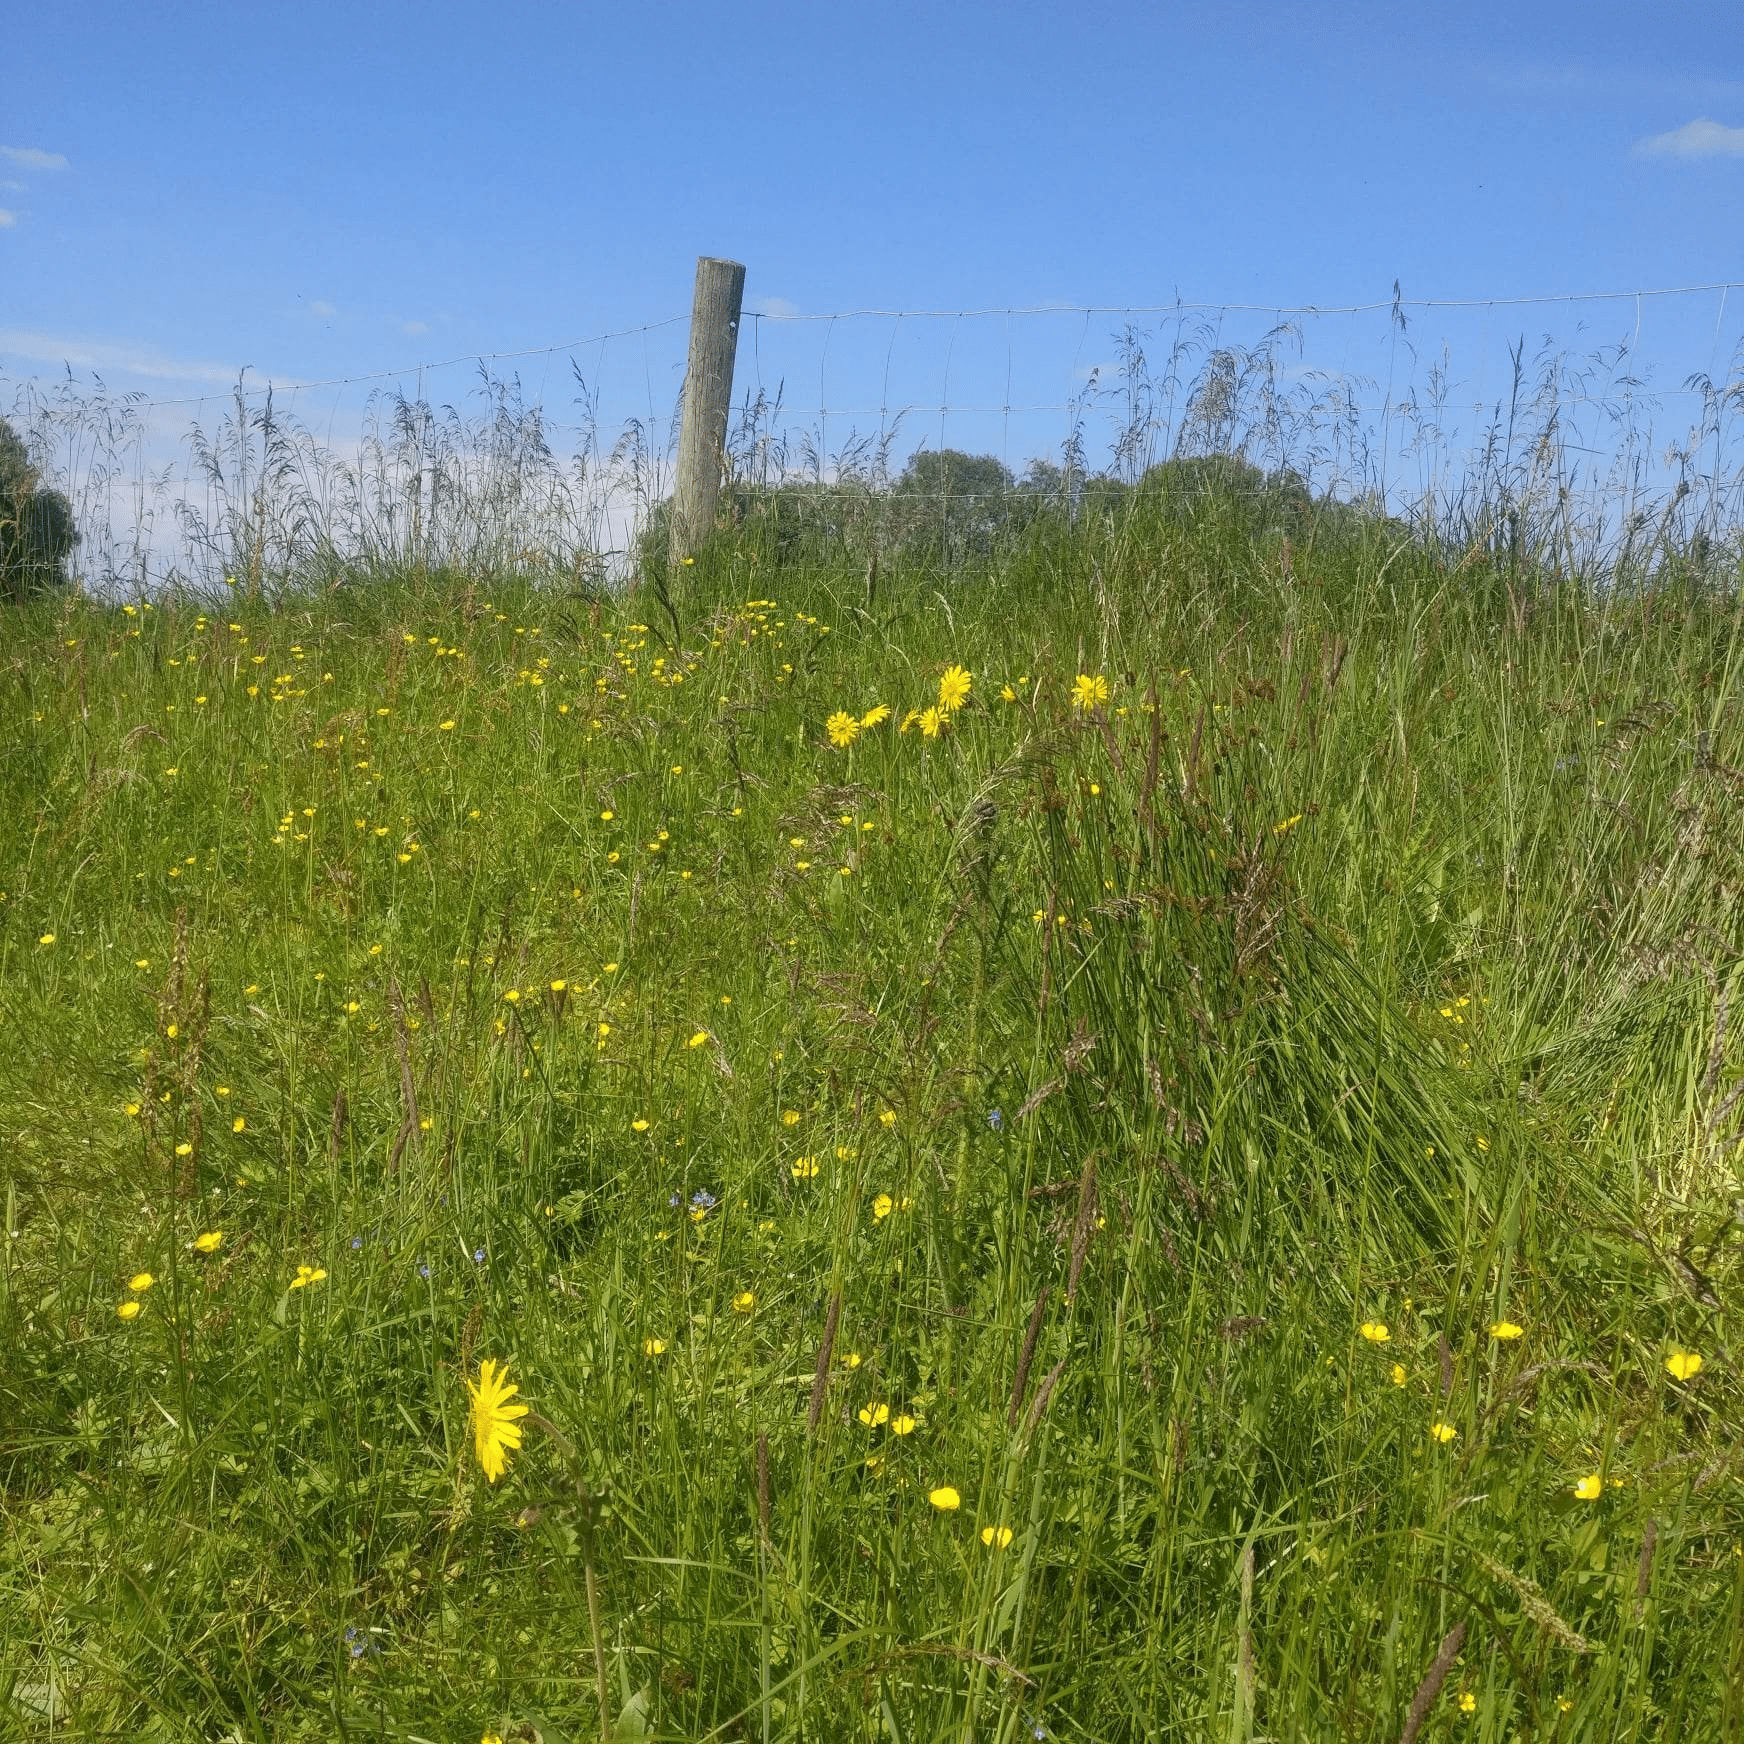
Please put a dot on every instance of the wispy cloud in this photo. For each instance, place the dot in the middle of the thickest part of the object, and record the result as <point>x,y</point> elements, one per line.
<point>414,328</point>
<point>776,307</point>
<point>322,307</point>
<point>109,357</point>
<point>1694,139</point>
<point>7,219</point>
<point>32,159</point>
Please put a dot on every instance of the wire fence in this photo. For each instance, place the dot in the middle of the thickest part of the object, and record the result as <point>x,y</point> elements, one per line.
<point>1604,424</point>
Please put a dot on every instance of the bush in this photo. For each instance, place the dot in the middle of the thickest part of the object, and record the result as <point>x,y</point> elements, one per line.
<point>36,524</point>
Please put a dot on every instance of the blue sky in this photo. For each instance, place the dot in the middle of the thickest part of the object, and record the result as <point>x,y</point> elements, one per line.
<point>318,191</point>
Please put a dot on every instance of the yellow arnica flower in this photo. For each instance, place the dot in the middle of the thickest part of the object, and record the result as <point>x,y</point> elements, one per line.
<point>1682,1364</point>
<point>1506,1329</point>
<point>874,1414</point>
<point>883,1205</point>
<point>308,1275</point>
<point>210,1242</point>
<point>931,722</point>
<point>744,1302</point>
<point>1284,825</point>
<point>996,1537</point>
<point>494,1419</point>
<point>1443,1431</point>
<point>1375,1331</point>
<point>945,1499</point>
<point>954,690</point>
<point>1590,1488</point>
<point>1088,692</point>
<point>653,1346</point>
<point>878,713</point>
<point>141,1282</point>
<point>843,729</point>
<point>126,1310</point>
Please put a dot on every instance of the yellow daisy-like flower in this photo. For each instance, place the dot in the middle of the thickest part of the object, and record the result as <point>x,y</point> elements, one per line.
<point>1506,1329</point>
<point>126,1310</point>
<point>996,1537</point>
<point>495,1424</point>
<point>1088,691</point>
<point>1284,825</point>
<point>804,1168</point>
<point>1443,1432</point>
<point>1007,694</point>
<point>308,1275</point>
<point>744,1302</point>
<point>653,1346</point>
<point>945,1499</point>
<point>873,1415</point>
<point>931,722</point>
<point>1375,1331</point>
<point>1682,1364</point>
<point>876,715</point>
<point>1590,1488</point>
<point>883,1205</point>
<point>954,690</point>
<point>210,1242</point>
<point>140,1282</point>
<point>843,729</point>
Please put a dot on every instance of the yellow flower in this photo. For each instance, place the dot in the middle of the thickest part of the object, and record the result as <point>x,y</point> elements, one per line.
<point>874,1414</point>
<point>883,1205</point>
<point>1007,694</point>
<point>1087,692</point>
<point>698,1039</point>
<point>1375,1331</point>
<point>945,1499</point>
<point>1682,1364</point>
<point>1284,827</point>
<point>46,939</point>
<point>1467,1702</point>
<point>126,1310</point>
<point>1398,1374</point>
<point>637,1125</point>
<point>888,1117</point>
<point>1443,1432</point>
<point>445,727</point>
<point>790,1117</point>
<point>184,1149</point>
<point>559,985</point>
<point>744,1302</point>
<point>931,722</point>
<point>1590,1488</point>
<point>842,728</point>
<point>209,1242</point>
<point>805,1168</point>
<point>494,1420</point>
<point>140,1282</point>
<point>850,1359</point>
<point>653,1346</point>
<point>876,715</point>
<point>1506,1329</point>
<point>238,1124</point>
<point>308,1275</point>
<point>904,1425</point>
<point>996,1537</point>
<point>954,690</point>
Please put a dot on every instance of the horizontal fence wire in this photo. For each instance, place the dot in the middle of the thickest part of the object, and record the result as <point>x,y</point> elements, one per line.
<point>1448,413</point>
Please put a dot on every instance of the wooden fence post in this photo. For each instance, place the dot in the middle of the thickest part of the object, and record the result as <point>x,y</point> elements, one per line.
<point>708,394</point>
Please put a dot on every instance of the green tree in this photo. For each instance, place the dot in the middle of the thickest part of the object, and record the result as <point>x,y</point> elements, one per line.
<point>36,524</point>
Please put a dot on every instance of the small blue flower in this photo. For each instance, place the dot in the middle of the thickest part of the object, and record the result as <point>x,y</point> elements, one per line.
<point>676,1199</point>
<point>478,1255</point>
<point>703,1199</point>
<point>995,1119</point>
<point>356,1243</point>
<point>424,1270</point>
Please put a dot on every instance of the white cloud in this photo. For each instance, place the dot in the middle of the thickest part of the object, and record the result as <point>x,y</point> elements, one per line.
<point>1694,139</point>
<point>414,328</point>
<point>321,307</point>
<point>776,307</point>
<point>108,357</point>
<point>7,219</point>
<point>32,159</point>
<point>12,187</point>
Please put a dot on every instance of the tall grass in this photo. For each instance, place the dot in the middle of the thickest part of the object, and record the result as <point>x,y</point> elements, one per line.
<point>1039,1111</point>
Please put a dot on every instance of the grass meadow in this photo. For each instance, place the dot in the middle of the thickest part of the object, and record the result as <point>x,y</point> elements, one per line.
<point>1181,1183</point>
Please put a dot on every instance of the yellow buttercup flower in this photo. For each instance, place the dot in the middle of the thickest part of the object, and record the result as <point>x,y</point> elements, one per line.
<point>140,1282</point>
<point>904,1424</point>
<point>495,1424</point>
<point>1088,692</point>
<point>209,1242</point>
<point>126,1310</point>
<point>954,690</point>
<point>874,1414</point>
<point>308,1275</point>
<point>883,1205</point>
<point>1375,1331</point>
<point>1443,1432</point>
<point>1398,1374</point>
<point>1682,1364</point>
<point>653,1346</point>
<point>996,1537</point>
<point>744,1302</point>
<point>1506,1329</point>
<point>1590,1488</point>
<point>945,1499</point>
<point>805,1168</point>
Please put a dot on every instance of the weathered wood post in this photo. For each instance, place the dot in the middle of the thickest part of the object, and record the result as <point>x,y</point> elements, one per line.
<point>708,394</point>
